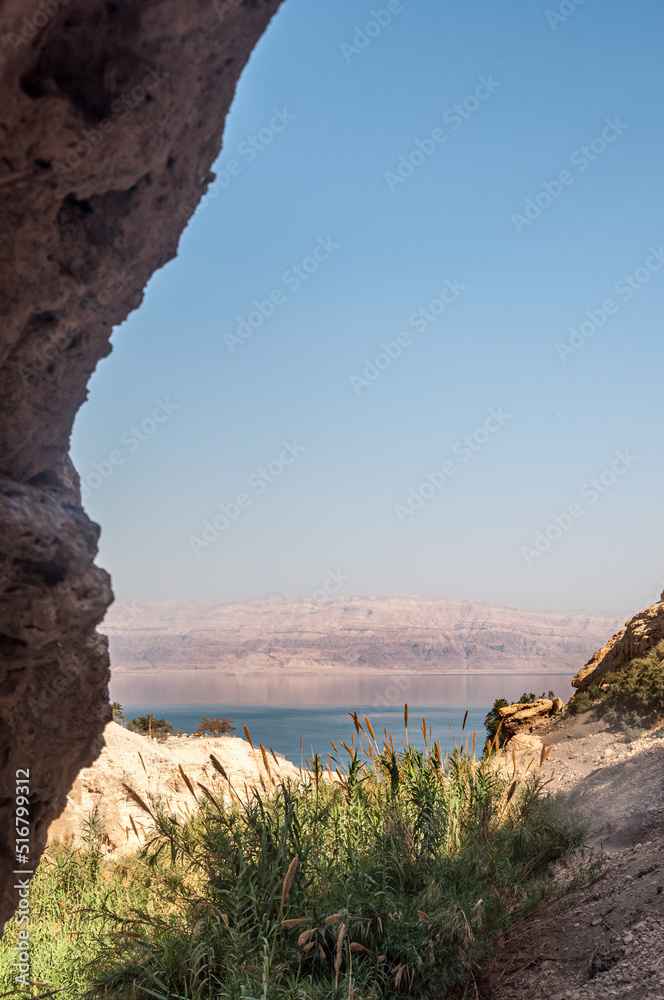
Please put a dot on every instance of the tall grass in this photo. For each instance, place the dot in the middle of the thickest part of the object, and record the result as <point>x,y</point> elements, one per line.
<point>384,871</point>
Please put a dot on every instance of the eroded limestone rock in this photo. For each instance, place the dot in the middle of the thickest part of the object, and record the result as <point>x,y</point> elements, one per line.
<point>111,116</point>
<point>641,633</point>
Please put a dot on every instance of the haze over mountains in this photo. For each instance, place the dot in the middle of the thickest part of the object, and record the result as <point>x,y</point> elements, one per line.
<point>396,632</point>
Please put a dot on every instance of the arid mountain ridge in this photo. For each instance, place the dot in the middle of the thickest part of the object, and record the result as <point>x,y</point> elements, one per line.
<point>395,632</point>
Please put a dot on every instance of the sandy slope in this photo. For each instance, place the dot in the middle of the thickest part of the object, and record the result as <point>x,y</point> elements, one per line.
<point>607,940</point>
<point>153,768</point>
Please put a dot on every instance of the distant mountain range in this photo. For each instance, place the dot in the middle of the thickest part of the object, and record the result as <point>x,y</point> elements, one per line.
<point>397,632</point>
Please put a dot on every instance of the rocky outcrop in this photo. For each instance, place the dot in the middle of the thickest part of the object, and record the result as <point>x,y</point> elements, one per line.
<point>396,632</point>
<point>112,114</point>
<point>524,718</point>
<point>640,635</point>
<point>99,795</point>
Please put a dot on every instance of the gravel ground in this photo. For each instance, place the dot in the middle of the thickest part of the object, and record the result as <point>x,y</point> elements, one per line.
<point>606,940</point>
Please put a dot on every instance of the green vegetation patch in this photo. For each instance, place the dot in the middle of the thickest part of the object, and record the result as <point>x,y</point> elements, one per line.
<point>632,698</point>
<point>394,873</point>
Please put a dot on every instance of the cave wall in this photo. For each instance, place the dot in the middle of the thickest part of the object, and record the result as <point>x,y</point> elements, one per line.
<point>111,116</point>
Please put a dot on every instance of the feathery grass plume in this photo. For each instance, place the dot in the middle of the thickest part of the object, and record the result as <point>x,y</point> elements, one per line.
<point>370,727</point>
<point>248,735</point>
<point>140,755</point>
<point>137,799</point>
<point>131,820</point>
<point>208,795</point>
<point>463,724</point>
<point>474,741</point>
<point>338,954</point>
<point>424,733</point>
<point>396,850</point>
<point>453,738</point>
<point>187,781</point>
<point>544,753</point>
<point>275,757</point>
<point>267,764</point>
<point>218,766</point>
<point>405,721</point>
<point>288,881</point>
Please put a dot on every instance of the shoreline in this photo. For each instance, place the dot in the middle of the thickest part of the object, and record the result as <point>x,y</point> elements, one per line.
<point>126,671</point>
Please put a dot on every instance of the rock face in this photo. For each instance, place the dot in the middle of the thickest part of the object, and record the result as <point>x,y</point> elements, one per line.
<point>641,634</point>
<point>522,719</point>
<point>153,769</point>
<point>396,632</point>
<point>112,114</point>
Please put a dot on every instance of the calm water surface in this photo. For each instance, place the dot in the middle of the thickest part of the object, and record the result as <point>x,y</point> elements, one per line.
<point>281,709</point>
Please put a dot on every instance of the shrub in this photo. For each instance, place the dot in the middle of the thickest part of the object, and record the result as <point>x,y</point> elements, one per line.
<point>633,698</point>
<point>218,726</point>
<point>393,874</point>
<point>148,725</point>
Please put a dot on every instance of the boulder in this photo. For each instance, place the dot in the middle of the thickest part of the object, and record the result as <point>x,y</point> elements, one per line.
<point>525,717</point>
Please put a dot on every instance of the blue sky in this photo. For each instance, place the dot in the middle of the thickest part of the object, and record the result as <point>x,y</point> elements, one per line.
<point>567,114</point>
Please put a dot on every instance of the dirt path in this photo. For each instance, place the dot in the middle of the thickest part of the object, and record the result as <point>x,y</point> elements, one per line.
<point>608,939</point>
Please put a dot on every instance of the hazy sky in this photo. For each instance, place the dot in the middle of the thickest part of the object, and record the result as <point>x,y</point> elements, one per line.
<point>414,207</point>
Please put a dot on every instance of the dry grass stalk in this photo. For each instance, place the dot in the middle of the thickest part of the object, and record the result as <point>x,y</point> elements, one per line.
<point>339,954</point>
<point>218,766</point>
<point>288,881</point>
<point>187,782</point>
<point>137,799</point>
